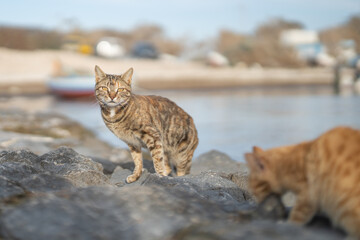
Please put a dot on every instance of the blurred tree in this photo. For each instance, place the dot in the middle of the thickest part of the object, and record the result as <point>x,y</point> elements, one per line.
<point>156,35</point>
<point>349,30</point>
<point>263,47</point>
<point>274,27</point>
<point>29,39</point>
<point>147,32</point>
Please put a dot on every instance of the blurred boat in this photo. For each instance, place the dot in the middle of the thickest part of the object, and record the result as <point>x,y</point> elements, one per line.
<point>72,86</point>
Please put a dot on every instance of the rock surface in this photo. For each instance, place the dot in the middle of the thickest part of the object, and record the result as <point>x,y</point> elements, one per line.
<point>63,194</point>
<point>216,161</point>
<point>43,132</point>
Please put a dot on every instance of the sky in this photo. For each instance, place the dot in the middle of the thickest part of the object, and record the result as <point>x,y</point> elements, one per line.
<point>198,19</point>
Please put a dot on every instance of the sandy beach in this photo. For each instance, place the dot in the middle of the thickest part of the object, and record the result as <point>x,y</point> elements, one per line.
<point>28,71</point>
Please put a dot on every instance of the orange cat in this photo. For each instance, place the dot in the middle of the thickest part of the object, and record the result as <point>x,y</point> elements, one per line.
<point>324,174</point>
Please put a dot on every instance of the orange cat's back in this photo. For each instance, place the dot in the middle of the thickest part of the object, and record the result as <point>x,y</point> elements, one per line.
<point>333,171</point>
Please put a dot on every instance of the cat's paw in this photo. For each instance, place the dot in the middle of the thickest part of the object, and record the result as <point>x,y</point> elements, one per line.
<point>132,178</point>
<point>160,175</point>
<point>166,173</point>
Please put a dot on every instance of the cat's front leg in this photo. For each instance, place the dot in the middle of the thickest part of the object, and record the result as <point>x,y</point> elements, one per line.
<point>303,210</point>
<point>137,158</point>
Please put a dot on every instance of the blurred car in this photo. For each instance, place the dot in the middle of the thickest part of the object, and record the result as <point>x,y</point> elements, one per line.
<point>145,50</point>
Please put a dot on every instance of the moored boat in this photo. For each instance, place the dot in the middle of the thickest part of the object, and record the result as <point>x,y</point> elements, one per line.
<point>72,86</point>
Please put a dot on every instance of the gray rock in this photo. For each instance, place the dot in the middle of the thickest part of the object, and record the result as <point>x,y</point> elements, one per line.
<point>129,164</point>
<point>15,171</point>
<point>18,178</point>
<point>119,176</point>
<point>271,208</point>
<point>37,144</point>
<point>58,170</point>
<point>108,213</point>
<point>20,156</point>
<point>228,168</point>
<point>255,230</point>
<point>22,170</point>
<point>45,182</point>
<point>108,166</point>
<point>241,180</point>
<point>139,212</point>
<point>216,161</point>
<point>80,170</point>
<point>9,189</point>
<point>43,132</point>
<point>208,185</point>
<point>75,216</point>
<point>42,124</point>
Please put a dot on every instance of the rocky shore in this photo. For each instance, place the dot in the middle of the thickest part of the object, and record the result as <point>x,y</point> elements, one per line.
<point>58,181</point>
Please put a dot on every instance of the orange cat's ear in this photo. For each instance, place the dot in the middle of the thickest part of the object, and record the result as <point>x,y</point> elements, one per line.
<point>257,150</point>
<point>127,76</point>
<point>255,164</point>
<point>99,74</point>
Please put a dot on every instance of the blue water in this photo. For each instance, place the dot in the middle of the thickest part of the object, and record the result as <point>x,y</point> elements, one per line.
<point>233,121</point>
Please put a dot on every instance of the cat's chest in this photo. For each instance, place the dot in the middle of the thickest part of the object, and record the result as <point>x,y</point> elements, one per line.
<point>124,133</point>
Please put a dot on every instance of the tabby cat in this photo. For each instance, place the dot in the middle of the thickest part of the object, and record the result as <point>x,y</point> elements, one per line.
<point>324,174</point>
<point>146,121</point>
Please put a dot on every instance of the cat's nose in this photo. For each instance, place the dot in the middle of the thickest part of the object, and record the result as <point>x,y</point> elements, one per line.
<point>112,95</point>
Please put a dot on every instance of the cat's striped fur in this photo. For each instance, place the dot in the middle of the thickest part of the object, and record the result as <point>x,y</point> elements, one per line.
<point>146,121</point>
<point>323,173</point>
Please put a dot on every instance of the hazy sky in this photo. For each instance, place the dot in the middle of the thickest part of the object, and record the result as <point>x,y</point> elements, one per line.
<point>199,19</point>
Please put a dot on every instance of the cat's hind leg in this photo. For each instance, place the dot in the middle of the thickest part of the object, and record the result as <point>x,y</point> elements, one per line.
<point>183,163</point>
<point>167,165</point>
<point>184,157</point>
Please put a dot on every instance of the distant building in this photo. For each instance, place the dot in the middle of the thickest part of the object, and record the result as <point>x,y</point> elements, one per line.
<point>307,45</point>
<point>295,37</point>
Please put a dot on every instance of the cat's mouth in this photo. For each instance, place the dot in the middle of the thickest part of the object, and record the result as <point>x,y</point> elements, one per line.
<point>114,104</point>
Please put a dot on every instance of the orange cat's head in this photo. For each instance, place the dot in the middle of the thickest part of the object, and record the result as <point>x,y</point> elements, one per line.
<point>262,180</point>
<point>113,90</point>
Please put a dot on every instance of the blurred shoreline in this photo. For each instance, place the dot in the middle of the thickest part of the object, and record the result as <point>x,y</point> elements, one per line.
<point>27,72</point>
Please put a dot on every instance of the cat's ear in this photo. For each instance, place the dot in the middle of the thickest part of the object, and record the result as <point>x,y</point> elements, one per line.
<point>255,164</point>
<point>127,76</point>
<point>257,150</point>
<point>99,74</point>
<point>255,160</point>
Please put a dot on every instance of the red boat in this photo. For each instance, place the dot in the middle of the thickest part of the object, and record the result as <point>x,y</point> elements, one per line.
<point>72,86</point>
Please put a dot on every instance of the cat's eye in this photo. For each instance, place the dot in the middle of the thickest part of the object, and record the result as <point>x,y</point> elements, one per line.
<point>121,90</point>
<point>104,88</point>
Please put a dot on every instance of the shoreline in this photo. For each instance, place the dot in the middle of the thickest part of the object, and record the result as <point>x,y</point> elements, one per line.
<point>40,89</point>
<point>27,72</point>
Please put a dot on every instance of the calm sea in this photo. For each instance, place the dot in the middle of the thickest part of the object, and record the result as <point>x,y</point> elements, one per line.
<point>232,121</point>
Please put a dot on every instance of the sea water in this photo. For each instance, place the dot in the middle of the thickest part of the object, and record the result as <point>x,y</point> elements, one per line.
<point>233,121</point>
